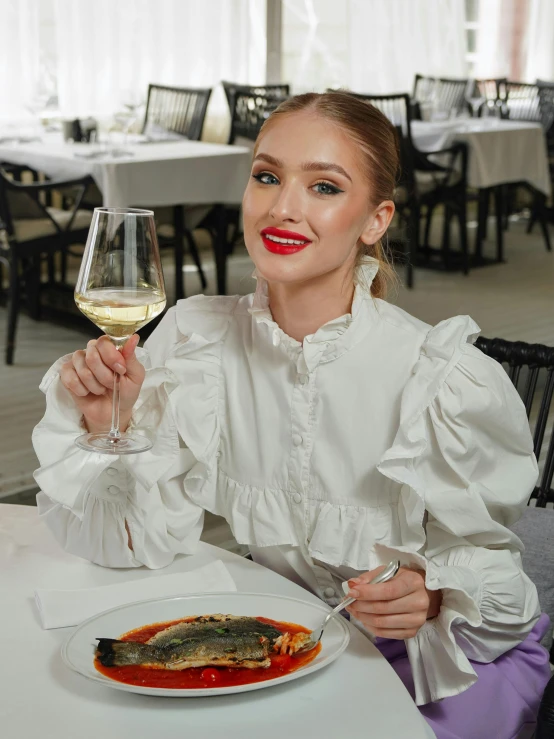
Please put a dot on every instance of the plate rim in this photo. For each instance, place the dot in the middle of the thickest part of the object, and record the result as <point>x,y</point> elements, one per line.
<point>205,692</point>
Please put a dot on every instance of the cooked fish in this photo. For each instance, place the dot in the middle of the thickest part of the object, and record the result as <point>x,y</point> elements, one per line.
<point>217,640</point>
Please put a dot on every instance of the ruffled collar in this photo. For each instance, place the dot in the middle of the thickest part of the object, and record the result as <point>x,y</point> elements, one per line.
<point>334,337</point>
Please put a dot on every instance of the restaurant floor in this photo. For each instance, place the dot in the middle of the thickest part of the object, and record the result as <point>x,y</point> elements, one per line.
<point>514,300</point>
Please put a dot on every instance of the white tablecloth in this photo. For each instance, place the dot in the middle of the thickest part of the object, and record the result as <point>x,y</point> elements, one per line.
<point>499,151</point>
<point>157,174</point>
<point>358,696</point>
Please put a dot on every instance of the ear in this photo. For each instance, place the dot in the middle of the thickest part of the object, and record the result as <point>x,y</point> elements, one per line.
<point>378,222</point>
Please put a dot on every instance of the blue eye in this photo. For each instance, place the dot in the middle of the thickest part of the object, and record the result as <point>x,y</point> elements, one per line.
<point>326,188</point>
<point>266,178</point>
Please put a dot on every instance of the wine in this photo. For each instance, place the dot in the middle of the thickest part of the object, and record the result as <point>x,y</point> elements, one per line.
<point>119,312</point>
<point>120,288</point>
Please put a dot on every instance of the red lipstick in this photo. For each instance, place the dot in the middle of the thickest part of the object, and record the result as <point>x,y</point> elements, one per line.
<point>279,247</point>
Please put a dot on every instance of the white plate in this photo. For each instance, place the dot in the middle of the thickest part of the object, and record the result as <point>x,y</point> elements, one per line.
<point>78,650</point>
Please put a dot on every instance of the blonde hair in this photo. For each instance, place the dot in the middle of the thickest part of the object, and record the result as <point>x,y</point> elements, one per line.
<point>376,138</point>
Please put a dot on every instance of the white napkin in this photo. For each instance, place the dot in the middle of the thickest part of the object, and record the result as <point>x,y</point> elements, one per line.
<point>60,608</point>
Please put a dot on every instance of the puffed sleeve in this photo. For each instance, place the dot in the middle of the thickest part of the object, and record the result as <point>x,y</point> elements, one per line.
<point>87,497</point>
<point>464,455</point>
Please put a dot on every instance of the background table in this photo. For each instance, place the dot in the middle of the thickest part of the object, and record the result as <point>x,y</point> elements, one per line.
<point>158,174</point>
<point>359,696</point>
<point>499,151</point>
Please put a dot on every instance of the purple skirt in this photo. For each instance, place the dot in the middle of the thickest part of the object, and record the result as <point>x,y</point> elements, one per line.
<point>503,701</point>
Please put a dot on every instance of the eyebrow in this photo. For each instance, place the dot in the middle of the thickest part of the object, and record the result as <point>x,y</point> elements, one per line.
<point>307,166</point>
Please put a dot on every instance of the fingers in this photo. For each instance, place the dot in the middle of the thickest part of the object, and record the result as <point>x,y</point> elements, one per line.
<point>70,380</point>
<point>399,626</point>
<point>86,375</point>
<point>134,369</point>
<point>111,357</point>
<point>95,363</point>
<point>406,582</point>
<point>396,609</point>
<point>418,601</point>
<point>130,346</point>
<point>398,621</point>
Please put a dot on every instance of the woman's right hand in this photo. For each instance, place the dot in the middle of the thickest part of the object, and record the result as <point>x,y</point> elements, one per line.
<point>88,376</point>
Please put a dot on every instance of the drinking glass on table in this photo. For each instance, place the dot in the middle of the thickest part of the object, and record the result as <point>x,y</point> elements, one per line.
<point>125,120</point>
<point>120,288</point>
<point>474,98</point>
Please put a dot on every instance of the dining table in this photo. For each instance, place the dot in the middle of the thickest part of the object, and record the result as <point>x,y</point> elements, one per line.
<point>357,696</point>
<point>140,172</point>
<point>500,152</point>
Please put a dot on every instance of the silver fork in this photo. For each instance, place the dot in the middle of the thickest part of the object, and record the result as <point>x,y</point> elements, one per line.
<point>315,637</point>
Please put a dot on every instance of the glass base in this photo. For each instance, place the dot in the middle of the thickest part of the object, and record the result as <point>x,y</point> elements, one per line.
<point>119,153</point>
<point>103,444</point>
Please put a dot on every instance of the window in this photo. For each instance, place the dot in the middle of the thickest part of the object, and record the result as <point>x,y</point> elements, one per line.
<point>471,29</point>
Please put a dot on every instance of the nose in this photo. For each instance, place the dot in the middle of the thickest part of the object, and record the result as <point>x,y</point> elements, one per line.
<point>287,204</point>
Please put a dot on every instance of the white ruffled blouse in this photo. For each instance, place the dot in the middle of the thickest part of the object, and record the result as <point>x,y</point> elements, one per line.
<point>377,437</point>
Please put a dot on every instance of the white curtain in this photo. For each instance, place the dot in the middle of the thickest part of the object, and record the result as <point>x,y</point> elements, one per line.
<point>110,49</point>
<point>495,39</point>
<point>371,45</point>
<point>19,57</point>
<point>539,44</point>
<point>392,40</point>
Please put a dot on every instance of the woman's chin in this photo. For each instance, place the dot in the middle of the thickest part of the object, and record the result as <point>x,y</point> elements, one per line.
<point>283,268</point>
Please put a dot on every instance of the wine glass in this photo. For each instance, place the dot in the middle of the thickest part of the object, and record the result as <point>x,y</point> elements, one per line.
<point>474,98</point>
<point>120,288</point>
<point>125,120</point>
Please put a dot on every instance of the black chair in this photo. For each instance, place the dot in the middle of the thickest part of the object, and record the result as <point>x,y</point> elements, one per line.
<point>531,369</point>
<point>231,89</point>
<point>249,112</point>
<point>33,230</point>
<point>523,102</point>
<point>537,358</point>
<point>426,180</point>
<point>494,93</point>
<point>180,111</point>
<point>533,103</point>
<point>447,94</point>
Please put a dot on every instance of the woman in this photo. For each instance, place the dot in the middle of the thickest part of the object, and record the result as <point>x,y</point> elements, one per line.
<point>332,430</point>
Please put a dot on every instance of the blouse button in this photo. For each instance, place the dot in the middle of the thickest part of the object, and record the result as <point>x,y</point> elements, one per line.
<point>297,439</point>
<point>303,379</point>
<point>113,490</point>
<point>112,472</point>
<point>329,592</point>
<point>218,455</point>
<point>297,498</point>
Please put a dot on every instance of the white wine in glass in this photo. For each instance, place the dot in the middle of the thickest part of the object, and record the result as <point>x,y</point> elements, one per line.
<point>120,288</point>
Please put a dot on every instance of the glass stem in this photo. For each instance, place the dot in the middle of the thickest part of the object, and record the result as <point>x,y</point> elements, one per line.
<point>115,433</point>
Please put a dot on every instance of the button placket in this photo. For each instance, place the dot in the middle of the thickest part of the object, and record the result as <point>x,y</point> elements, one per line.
<point>302,422</point>
<point>328,586</point>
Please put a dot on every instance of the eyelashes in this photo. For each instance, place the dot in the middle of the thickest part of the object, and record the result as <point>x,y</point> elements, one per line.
<point>261,177</point>
<point>326,188</point>
<point>331,189</point>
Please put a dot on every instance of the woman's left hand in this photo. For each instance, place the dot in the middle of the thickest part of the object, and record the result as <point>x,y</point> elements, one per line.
<point>396,609</point>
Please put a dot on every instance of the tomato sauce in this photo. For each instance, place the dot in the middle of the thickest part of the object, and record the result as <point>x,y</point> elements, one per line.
<point>206,677</point>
